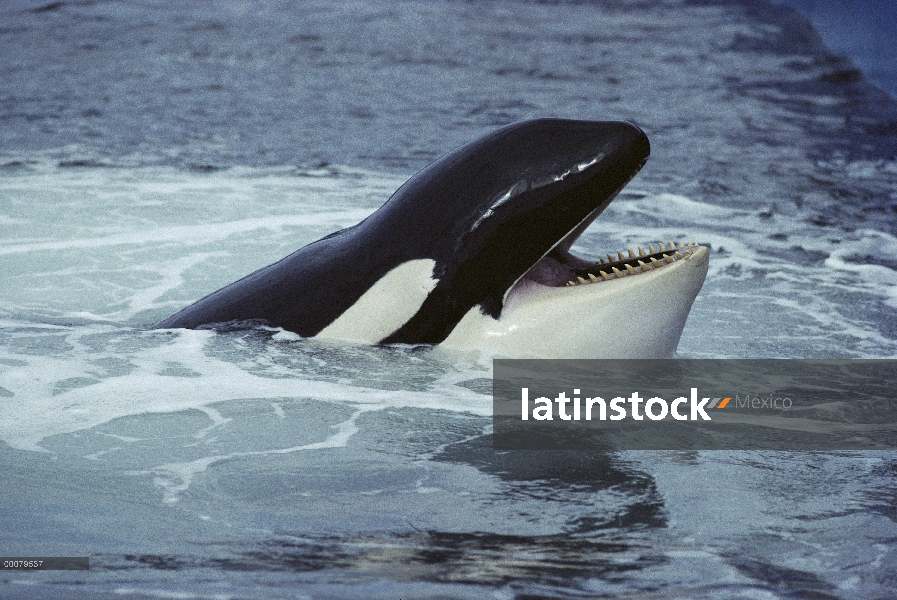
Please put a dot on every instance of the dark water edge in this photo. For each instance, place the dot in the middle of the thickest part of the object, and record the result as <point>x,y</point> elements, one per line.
<point>863,30</point>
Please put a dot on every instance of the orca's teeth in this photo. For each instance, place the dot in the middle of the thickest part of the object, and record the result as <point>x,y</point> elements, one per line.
<point>634,264</point>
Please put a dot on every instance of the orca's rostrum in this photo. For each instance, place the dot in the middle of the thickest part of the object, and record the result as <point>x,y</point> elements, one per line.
<point>473,251</point>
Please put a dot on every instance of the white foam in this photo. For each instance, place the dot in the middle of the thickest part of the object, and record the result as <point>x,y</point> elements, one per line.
<point>151,239</point>
<point>673,205</point>
<point>174,595</point>
<point>810,283</point>
<point>38,412</point>
<point>193,235</point>
<point>869,243</point>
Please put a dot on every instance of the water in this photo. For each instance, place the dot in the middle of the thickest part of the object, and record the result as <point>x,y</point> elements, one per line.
<point>864,30</point>
<point>152,152</point>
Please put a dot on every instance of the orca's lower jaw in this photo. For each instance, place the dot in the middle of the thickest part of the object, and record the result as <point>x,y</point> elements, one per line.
<point>632,304</point>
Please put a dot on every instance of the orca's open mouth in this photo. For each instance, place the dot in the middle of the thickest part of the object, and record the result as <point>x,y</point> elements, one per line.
<point>561,268</point>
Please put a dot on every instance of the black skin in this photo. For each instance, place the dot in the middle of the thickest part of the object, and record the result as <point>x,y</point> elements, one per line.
<point>433,216</point>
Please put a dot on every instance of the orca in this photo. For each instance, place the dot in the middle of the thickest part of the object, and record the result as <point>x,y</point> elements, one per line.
<point>473,252</point>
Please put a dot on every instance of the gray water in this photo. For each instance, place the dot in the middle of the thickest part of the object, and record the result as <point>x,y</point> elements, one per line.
<point>152,152</point>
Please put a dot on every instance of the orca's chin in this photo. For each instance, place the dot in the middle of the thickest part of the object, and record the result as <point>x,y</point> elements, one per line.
<point>632,304</point>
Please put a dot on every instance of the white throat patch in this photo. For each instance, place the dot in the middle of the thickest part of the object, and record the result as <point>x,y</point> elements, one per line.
<point>387,305</point>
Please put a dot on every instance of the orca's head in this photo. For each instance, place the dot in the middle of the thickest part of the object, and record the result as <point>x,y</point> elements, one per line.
<point>497,218</point>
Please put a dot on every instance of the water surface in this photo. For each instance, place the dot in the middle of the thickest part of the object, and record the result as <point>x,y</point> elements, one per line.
<point>152,152</point>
